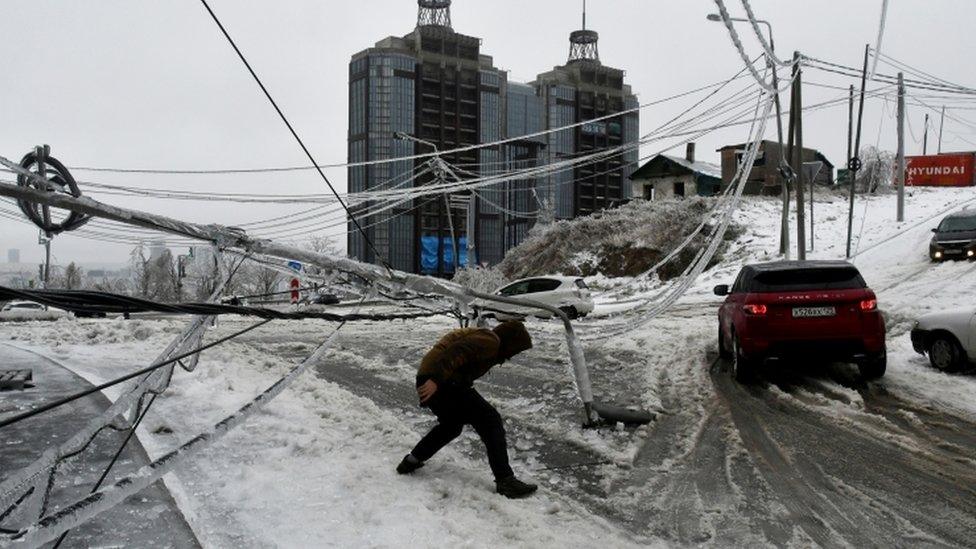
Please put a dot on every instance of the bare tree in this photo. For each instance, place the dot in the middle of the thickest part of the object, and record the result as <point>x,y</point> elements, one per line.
<point>265,280</point>
<point>71,280</point>
<point>323,244</point>
<point>163,278</point>
<point>139,271</point>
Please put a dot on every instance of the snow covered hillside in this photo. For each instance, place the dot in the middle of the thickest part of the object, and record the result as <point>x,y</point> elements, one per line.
<point>788,462</point>
<point>624,241</point>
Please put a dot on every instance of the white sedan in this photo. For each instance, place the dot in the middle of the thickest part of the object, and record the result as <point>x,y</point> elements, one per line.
<point>947,337</point>
<point>568,293</point>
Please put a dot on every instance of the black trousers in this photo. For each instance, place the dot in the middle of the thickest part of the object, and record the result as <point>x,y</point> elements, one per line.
<point>456,407</point>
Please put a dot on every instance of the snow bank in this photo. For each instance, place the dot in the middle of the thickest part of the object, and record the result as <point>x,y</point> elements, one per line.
<point>624,241</point>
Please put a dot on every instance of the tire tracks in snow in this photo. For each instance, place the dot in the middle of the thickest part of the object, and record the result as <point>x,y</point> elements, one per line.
<point>853,476</point>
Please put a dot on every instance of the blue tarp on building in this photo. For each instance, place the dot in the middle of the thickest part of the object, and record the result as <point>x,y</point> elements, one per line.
<point>433,252</point>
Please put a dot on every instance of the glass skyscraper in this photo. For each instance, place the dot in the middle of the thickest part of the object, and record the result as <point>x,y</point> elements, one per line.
<point>436,87</point>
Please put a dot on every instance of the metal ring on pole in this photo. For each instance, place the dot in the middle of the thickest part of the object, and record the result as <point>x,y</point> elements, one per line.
<point>854,164</point>
<point>58,179</point>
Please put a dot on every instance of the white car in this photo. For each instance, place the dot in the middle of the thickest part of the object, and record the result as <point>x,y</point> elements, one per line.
<point>568,293</point>
<point>22,306</point>
<point>30,310</point>
<point>948,337</point>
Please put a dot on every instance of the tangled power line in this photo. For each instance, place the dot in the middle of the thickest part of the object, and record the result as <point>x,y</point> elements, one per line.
<point>25,495</point>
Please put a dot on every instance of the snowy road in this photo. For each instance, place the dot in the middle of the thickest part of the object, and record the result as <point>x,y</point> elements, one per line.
<point>807,457</point>
<point>150,519</point>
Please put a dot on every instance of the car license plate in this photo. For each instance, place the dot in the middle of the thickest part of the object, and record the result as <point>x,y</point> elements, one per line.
<point>806,312</point>
<point>951,251</point>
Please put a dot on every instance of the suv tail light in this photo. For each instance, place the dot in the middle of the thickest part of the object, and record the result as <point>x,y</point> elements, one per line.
<point>869,304</point>
<point>755,309</point>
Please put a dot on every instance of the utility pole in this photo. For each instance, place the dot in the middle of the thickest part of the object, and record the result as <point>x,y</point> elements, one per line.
<point>854,163</point>
<point>450,223</point>
<point>784,231</point>
<point>925,136</point>
<point>472,228</point>
<point>850,126</point>
<point>42,152</point>
<point>801,228</point>
<point>900,170</point>
<point>941,125</point>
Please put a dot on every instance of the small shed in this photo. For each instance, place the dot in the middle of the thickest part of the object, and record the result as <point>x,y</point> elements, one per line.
<point>665,176</point>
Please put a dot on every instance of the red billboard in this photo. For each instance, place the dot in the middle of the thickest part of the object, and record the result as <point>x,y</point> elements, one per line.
<point>943,170</point>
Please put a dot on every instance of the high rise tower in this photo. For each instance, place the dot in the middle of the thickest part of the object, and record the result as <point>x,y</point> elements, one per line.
<point>583,43</point>
<point>436,13</point>
<point>436,86</point>
<point>584,89</point>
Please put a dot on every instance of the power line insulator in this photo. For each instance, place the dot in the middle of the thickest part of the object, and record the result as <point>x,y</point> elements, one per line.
<point>59,180</point>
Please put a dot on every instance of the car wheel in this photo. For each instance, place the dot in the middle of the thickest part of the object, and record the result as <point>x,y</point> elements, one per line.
<point>875,367</point>
<point>944,352</point>
<point>723,351</point>
<point>742,367</point>
<point>570,311</point>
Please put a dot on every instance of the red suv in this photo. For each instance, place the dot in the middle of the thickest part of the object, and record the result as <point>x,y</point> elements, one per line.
<point>792,309</point>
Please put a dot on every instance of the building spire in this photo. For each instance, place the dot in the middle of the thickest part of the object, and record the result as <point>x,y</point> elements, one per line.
<point>582,43</point>
<point>436,13</point>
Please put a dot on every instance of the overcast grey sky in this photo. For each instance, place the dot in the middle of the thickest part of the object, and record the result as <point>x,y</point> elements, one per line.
<point>139,84</point>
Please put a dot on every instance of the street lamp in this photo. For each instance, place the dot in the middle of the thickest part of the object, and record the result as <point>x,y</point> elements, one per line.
<point>407,137</point>
<point>784,240</point>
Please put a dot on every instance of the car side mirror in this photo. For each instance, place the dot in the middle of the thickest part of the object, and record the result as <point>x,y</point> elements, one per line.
<point>721,289</point>
<point>935,230</point>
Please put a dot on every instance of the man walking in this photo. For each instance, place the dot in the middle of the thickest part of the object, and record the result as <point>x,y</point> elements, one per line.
<point>444,383</point>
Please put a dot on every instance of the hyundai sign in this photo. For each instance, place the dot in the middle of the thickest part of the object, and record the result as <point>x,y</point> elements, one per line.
<point>943,170</point>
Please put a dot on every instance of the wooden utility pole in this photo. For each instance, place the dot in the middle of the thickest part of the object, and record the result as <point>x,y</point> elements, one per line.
<point>900,169</point>
<point>854,163</point>
<point>850,125</point>
<point>941,125</point>
<point>925,136</point>
<point>801,227</point>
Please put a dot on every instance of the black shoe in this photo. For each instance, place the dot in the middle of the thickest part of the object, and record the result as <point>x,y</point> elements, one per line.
<point>408,465</point>
<point>514,488</point>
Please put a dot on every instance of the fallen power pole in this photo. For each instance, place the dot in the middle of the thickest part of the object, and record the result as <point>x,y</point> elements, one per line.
<point>379,277</point>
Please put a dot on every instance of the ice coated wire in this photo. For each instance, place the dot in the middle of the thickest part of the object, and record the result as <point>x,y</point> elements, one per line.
<point>704,256</point>
<point>623,325</point>
<point>50,527</point>
<point>18,483</point>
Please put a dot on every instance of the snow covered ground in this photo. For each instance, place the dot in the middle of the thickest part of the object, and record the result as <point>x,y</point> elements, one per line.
<point>314,469</point>
<point>787,463</point>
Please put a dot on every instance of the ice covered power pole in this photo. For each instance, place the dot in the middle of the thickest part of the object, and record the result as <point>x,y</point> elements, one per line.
<point>229,237</point>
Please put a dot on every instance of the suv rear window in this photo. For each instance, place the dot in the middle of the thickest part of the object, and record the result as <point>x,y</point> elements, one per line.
<point>807,279</point>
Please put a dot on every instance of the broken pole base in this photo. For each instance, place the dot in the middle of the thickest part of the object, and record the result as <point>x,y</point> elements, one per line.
<point>14,380</point>
<point>603,415</point>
